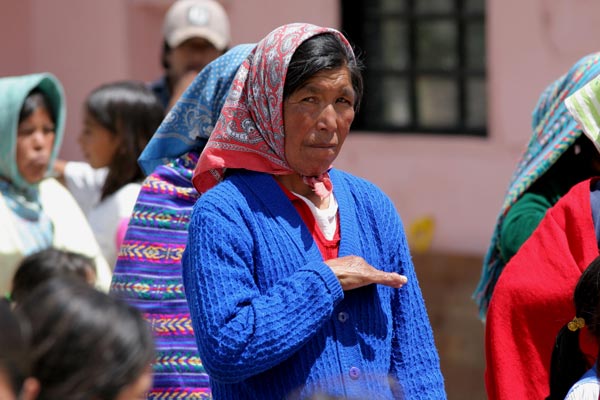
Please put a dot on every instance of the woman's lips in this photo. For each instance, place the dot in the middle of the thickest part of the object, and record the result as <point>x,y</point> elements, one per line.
<point>39,162</point>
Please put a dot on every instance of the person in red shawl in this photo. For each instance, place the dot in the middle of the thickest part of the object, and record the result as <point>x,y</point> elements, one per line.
<point>532,300</point>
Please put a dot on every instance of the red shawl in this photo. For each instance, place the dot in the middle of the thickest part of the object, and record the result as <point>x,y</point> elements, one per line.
<point>534,299</point>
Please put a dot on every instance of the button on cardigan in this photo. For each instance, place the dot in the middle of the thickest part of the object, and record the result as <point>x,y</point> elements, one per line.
<point>265,306</point>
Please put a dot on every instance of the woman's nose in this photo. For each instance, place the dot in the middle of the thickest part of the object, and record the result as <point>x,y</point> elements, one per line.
<point>328,118</point>
<point>38,138</point>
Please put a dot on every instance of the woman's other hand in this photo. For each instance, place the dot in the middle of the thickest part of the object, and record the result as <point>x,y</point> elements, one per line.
<point>354,272</point>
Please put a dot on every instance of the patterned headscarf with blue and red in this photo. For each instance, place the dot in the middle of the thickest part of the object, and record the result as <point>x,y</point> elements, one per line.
<point>250,133</point>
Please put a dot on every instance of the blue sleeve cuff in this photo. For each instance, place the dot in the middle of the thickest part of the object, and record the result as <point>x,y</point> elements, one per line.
<point>331,281</point>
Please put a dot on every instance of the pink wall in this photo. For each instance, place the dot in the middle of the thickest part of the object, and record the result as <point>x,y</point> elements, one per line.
<point>459,181</point>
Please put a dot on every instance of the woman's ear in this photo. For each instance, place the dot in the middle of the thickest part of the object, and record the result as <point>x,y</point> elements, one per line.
<point>30,389</point>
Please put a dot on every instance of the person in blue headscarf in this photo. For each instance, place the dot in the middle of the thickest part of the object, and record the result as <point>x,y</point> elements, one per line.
<point>148,271</point>
<point>557,157</point>
<point>36,212</point>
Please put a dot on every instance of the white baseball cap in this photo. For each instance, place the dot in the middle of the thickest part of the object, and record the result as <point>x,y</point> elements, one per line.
<point>188,19</point>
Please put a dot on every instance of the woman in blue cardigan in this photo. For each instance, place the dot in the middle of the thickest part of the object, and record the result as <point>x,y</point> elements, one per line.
<point>298,275</point>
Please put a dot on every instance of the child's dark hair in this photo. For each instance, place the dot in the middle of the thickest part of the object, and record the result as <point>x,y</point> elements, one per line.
<point>85,344</point>
<point>34,100</point>
<point>43,265</point>
<point>568,361</point>
<point>14,357</point>
<point>131,111</point>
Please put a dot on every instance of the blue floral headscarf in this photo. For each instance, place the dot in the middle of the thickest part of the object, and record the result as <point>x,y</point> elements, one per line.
<point>189,123</point>
<point>554,131</point>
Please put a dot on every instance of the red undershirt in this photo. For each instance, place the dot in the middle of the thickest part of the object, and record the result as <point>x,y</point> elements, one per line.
<point>329,248</point>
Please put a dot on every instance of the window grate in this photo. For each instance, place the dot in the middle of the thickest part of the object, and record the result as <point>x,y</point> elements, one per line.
<point>425,64</point>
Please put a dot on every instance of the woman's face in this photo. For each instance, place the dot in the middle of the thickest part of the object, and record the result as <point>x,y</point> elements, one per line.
<point>35,140</point>
<point>137,390</point>
<point>99,145</point>
<point>317,119</point>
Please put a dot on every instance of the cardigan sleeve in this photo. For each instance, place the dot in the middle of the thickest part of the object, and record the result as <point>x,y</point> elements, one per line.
<point>240,329</point>
<point>415,362</point>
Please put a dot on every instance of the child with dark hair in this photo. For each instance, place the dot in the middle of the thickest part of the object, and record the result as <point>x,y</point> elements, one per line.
<point>46,264</point>
<point>14,365</point>
<point>86,344</point>
<point>568,376</point>
<point>119,120</point>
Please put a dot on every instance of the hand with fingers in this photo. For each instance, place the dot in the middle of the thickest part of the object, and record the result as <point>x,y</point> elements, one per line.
<point>354,272</point>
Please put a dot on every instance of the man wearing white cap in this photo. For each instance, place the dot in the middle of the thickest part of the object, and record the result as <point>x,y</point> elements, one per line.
<point>195,32</point>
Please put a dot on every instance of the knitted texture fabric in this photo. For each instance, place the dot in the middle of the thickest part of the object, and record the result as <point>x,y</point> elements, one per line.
<point>534,299</point>
<point>554,131</point>
<point>270,317</point>
<point>148,276</point>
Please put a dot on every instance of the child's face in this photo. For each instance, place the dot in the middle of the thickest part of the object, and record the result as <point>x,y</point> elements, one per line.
<point>35,140</point>
<point>99,145</point>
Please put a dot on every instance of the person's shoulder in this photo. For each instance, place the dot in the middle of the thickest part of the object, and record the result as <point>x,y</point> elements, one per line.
<point>129,190</point>
<point>158,84</point>
<point>353,179</point>
<point>357,185</point>
<point>50,187</point>
<point>160,88</point>
<point>588,388</point>
<point>126,197</point>
<point>232,181</point>
<point>58,202</point>
<point>237,187</point>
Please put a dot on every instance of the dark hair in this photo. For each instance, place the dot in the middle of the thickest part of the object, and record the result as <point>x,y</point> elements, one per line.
<point>43,265</point>
<point>322,52</point>
<point>569,363</point>
<point>132,112</point>
<point>164,59</point>
<point>13,348</point>
<point>34,100</point>
<point>84,343</point>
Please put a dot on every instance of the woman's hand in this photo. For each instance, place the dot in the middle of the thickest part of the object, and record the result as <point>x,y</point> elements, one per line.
<point>354,272</point>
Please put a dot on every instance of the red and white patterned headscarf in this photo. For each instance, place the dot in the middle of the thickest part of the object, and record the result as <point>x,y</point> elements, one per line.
<point>250,133</point>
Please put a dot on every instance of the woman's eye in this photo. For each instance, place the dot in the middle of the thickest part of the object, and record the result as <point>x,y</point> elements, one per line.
<point>25,131</point>
<point>344,101</point>
<point>309,100</point>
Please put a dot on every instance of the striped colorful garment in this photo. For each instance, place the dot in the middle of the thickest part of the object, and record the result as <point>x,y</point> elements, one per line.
<point>148,271</point>
<point>554,131</point>
<point>148,276</point>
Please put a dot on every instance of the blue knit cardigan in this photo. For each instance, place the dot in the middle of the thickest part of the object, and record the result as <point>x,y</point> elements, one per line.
<point>270,317</point>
